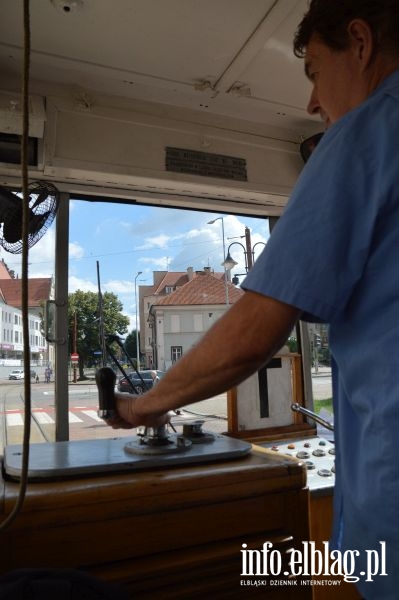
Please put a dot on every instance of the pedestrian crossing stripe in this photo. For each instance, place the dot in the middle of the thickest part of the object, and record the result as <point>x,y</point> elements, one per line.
<point>72,418</point>
<point>43,418</point>
<point>16,418</point>
<point>13,419</point>
<point>93,415</point>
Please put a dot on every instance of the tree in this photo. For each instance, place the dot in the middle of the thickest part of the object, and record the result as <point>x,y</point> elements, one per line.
<point>131,345</point>
<point>85,336</point>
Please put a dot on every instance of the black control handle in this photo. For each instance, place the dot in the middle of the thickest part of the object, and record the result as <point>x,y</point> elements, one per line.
<point>105,380</point>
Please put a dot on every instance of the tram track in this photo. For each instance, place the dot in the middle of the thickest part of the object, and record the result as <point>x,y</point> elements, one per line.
<point>13,411</point>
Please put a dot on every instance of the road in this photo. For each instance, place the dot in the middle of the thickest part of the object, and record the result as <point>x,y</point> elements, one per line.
<point>83,420</point>
<point>322,387</point>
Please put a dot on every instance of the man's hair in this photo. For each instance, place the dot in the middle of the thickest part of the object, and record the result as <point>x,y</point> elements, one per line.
<point>328,19</point>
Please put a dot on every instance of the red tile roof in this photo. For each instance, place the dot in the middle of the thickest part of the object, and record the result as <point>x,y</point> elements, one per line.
<point>171,279</point>
<point>39,291</point>
<point>175,279</point>
<point>4,272</point>
<point>205,288</point>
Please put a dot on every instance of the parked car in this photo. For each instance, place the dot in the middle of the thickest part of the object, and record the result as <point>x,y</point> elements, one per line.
<point>146,377</point>
<point>20,374</point>
<point>16,374</point>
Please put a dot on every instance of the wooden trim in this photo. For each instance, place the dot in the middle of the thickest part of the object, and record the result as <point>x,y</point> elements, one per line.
<point>232,414</point>
<point>174,533</point>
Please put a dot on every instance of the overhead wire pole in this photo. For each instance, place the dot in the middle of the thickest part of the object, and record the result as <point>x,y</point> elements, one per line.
<point>101,320</point>
<point>249,248</point>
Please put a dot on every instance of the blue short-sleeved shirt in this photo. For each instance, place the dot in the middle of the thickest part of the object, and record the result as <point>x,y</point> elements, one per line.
<point>334,254</point>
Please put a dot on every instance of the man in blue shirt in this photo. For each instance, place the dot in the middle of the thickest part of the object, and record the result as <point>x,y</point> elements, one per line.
<point>333,257</point>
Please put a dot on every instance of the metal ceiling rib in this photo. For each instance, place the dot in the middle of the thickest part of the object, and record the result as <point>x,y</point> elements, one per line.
<point>254,44</point>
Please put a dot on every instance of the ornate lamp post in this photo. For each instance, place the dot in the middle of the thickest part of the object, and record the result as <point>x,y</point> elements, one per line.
<point>249,255</point>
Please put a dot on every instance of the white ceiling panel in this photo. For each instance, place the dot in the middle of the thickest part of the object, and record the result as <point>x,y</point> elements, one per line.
<point>229,57</point>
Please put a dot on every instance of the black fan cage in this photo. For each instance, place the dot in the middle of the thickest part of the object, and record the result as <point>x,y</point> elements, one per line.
<point>43,206</point>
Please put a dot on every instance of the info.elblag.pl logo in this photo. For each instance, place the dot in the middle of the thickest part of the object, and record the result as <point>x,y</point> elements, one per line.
<point>311,562</point>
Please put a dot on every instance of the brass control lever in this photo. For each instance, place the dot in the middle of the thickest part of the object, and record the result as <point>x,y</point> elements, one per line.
<point>105,380</point>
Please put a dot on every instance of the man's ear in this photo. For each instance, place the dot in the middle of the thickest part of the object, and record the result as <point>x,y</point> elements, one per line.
<point>362,41</point>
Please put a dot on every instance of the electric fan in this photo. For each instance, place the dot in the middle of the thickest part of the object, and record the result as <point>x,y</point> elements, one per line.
<point>43,205</point>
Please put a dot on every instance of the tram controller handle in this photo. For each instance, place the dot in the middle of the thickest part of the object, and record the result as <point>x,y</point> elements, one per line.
<point>105,380</point>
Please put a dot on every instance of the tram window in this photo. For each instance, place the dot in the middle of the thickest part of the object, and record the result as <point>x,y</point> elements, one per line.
<point>318,352</point>
<point>41,268</point>
<point>321,369</point>
<point>130,248</point>
<point>141,252</point>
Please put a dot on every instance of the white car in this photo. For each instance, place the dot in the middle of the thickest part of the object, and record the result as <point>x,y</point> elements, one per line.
<point>16,374</point>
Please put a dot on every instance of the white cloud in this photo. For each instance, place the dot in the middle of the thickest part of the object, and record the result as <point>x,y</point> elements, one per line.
<point>159,241</point>
<point>118,286</point>
<point>75,283</point>
<point>40,257</point>
<point>76,250</point>
<point>158,263</point>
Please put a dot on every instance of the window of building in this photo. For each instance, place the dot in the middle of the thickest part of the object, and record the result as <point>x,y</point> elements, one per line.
<point>176,352</point>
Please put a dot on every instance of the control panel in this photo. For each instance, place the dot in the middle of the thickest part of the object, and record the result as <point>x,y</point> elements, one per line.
<point>317,453</point>
<point>150,448</point>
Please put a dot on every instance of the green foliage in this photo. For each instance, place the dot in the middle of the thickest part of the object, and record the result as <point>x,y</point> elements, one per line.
<point>130,344</point>
<point>324,356</point>
<point>326,403</point>
<point>292,344</point>
<point>85,306</point>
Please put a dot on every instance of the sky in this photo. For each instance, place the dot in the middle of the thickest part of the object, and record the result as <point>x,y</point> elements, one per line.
<point>126,239</point>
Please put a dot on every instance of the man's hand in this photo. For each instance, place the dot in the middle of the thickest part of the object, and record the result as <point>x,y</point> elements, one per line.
<point>128,415</point>
<point>122,411</point>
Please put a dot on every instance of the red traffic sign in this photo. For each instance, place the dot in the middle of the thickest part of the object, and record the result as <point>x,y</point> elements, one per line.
<point>75,357</point>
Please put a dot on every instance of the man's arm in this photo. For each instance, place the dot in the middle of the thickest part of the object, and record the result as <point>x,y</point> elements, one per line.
<point>239,343</point>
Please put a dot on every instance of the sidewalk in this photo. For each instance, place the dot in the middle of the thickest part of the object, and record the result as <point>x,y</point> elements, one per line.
<point>322,371</point>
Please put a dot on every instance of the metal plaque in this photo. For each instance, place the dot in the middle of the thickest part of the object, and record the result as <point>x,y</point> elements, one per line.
<point>205,164</point>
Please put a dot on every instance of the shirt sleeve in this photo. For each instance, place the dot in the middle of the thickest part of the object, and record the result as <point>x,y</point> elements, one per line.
<point>317,251</point>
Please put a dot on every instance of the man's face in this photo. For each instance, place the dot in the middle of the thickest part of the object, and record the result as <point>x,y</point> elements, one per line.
<point>334,78</point>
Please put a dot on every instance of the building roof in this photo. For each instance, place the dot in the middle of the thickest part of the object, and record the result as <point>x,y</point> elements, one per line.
<point>174,280</point>
<point>171,279</point>
<point>4,272</point>
<point>205,288</point>
<point>39,291</point>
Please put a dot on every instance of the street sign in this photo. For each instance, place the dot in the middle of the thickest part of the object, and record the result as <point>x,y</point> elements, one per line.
<point>74,357</point>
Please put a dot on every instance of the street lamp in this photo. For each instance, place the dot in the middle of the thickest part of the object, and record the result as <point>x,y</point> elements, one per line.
<point>224,256</point>
<point>249,254</point>
<point>137,331</point>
